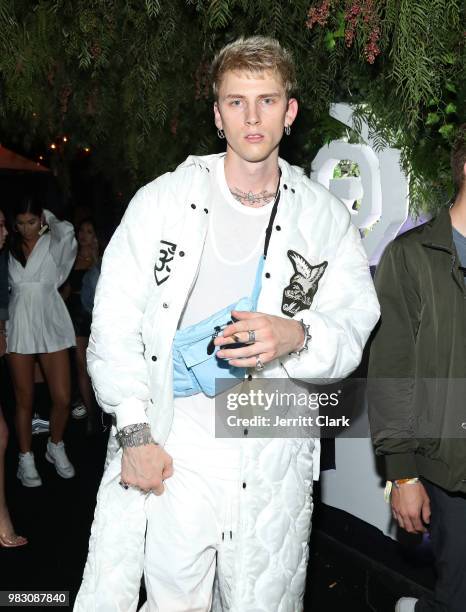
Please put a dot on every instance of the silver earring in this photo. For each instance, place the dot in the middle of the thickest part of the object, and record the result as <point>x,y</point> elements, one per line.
<point>221,134</point>
<point>287,130</point>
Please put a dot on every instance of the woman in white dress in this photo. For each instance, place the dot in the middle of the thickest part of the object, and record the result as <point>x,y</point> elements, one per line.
<point>42,253</point>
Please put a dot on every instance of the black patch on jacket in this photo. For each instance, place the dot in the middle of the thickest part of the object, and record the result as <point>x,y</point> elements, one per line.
<point>166,254</point>
<point>298,295</point>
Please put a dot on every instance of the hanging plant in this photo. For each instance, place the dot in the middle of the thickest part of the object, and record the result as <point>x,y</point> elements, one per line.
<point>130,80</point>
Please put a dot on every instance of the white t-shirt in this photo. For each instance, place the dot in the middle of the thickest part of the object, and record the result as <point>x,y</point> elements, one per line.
<point>233,247</point>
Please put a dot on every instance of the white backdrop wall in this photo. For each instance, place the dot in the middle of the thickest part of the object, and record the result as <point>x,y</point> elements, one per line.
<point>356,486</point>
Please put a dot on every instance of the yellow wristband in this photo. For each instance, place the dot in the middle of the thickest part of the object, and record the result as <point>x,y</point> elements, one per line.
<point>403,481</point>
<point>397,483</point>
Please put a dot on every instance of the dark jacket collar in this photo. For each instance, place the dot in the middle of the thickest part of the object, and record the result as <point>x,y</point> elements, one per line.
<point>438,232</point>
<point>439,235</point>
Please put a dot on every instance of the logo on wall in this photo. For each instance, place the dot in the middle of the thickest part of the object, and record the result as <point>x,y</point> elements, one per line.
<point>381,183</point>
<point>162,270</point>
<point>298,295</point>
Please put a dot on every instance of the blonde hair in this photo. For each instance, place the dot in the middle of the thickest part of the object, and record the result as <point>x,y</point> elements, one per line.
<point>254,54</point>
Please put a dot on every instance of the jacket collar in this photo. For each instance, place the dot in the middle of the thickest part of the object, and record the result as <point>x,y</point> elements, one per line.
<point>290,174</point>
<point>438,234</point>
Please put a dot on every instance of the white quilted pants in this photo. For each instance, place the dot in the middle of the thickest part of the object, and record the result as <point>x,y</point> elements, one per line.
<point>190,534</point>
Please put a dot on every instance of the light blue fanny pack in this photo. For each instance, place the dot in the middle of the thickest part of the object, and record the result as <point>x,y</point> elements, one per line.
<point>196,366</point>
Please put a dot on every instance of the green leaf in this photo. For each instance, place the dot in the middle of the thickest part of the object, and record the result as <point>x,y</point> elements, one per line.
<point>450,109</point>
<point>432,118</point>
<point>330,41</point>
<point>447,130</point>
<point>449,58</point>
<point>451,87</point>
<point>340,32</point>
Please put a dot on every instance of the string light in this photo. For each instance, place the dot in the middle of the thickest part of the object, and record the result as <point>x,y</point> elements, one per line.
<point>53,146</point>
<point>65,139</point>
<point>41,157</point>
<point>87,149</point>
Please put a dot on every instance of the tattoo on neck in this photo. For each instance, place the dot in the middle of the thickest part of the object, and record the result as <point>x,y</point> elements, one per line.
<point>251,199</point>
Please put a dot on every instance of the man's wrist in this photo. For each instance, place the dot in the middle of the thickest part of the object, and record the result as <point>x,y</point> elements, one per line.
<point>398,483</point>
<point>305,339</point>
<point>404,481</point>
<point>138,434</point>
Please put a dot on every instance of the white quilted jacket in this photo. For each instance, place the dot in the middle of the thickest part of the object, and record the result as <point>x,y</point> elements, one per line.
<point>147,272</point>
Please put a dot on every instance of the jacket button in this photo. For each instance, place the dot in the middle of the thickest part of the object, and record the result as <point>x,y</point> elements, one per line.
<point>154,358</point>
<point>249,376</point>
<point>193,206</point>
<point>206,210</point>
<point>292,190</point>
<point>181,253</point>
<point>285,186</point>
<point>165,305</point>
<point>267,275</point>
<point>278,228</point>
<point>245,432</point>
<point>244,485</point>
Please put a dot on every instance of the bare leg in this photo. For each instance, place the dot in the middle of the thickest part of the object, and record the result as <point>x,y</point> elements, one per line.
<point>84,382</point>
<point>7,533</point>
<point>56,368</point>
<point>22,375</point>
<point>38,378</point>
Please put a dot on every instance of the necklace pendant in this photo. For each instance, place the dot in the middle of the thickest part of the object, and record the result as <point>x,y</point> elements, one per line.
<point>250,197</point>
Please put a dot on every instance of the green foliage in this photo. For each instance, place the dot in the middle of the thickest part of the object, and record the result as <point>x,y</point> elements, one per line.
<point>130,79</point>
<point>346,168</point>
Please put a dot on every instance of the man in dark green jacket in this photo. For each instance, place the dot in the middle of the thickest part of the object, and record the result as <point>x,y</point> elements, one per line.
<point>417,375</point>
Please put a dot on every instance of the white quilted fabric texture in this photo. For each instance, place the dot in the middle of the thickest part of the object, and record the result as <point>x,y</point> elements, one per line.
<point>271,544</point>
<point>275,522</point>
<point>111,581</point>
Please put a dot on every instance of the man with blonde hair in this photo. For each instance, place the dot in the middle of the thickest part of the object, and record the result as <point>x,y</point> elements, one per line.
<point>218,523</point>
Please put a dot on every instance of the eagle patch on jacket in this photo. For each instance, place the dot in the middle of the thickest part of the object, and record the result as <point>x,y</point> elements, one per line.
<point>298,295</point>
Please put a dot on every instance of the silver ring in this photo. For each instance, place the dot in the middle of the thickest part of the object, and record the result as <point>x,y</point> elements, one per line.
<point>124,485</point>
<point>252,336</point>
<point>259,365</point>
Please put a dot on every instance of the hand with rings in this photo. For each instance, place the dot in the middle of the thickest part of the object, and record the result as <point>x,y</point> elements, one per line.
<point>265,337</point>
<point>125,486</point>
<point>146,468</point>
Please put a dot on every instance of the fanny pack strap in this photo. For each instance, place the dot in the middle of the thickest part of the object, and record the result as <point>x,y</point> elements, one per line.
<point>268,232</point>
<point>257,282</point>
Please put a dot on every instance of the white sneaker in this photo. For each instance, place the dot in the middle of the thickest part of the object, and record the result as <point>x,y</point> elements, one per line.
<point>79,411</point>
<point>27,472</point>
<point>56,454</point>
<point>39,425</point>
<point>406,604</point>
